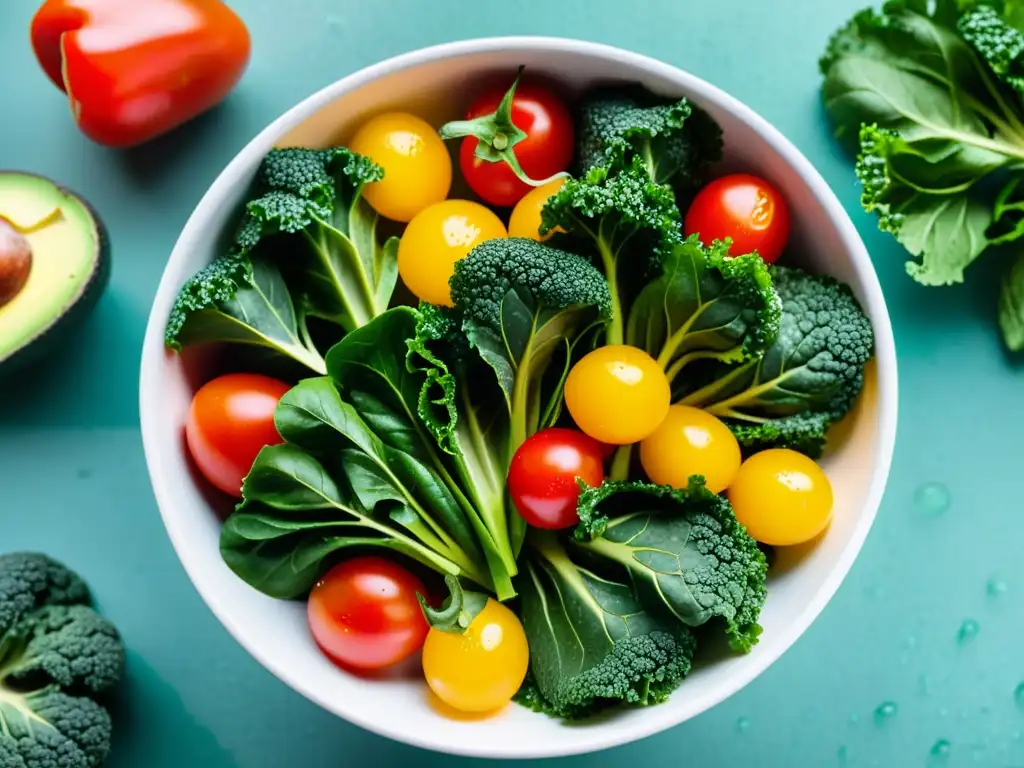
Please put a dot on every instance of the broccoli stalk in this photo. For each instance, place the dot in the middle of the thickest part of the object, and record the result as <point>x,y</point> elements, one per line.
<point>57,657</point>
<point>625,221</point>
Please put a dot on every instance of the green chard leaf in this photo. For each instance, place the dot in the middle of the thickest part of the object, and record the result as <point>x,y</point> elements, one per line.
<point>683,551</point>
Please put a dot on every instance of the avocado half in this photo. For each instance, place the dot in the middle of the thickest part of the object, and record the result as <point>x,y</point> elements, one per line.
<point>54,264</point>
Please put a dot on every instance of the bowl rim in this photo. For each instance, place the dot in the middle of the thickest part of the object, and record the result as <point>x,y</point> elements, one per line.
<point>657,718</point>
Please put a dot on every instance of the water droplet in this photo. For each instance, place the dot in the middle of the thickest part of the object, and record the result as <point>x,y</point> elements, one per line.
<point>885,711</point>
<point>842,754</point>
<point>940,749</point>
<point>996,587</point>
<point>911,641</point>
<point>854,717</point>
<point>968,631</point>
<point>1017,735</point>
<point>932,499</point>
<point>1018,695</point>
<point>943,712</point>
<point>743,724</point>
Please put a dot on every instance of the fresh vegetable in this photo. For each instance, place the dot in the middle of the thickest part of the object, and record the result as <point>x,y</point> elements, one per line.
<point>54,266</point>
<point>705,305</point>
<point>782,497</point>
<point>437,237</point>
<point>928,98</point>
<point>592,644</point>
<point>617,394</point>
<point>513,140</point>
<point>676,141</point>
<point>231,418</point>
<point>364,613</point>
<point>60,661</point>
<point>691,442</point>
<point>684,552</point>
<point>480,668</point>
<point>789,396</point>
<point>306,247</point>
<point>417,167</point>
<point>132,72</point>
<point>742,208</point>
<point>545,475</point>
<point>525,220</point>
<point>624,221</point>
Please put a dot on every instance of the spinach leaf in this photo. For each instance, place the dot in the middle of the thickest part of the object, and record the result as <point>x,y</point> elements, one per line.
<point>1011,305</point>
<point>295,515</point>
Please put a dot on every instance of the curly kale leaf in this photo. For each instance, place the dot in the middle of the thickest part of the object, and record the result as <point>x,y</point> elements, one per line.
<point>592,644</point>
<point>675,140</point>
<point>807,380</point>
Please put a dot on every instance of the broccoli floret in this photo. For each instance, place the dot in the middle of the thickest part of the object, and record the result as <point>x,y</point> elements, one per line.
<point>56,655</point>
<point>807,380</point>
<point>675,141</point>
<point>626,221</point>
<point>592,644</point>
<point>683,550</point>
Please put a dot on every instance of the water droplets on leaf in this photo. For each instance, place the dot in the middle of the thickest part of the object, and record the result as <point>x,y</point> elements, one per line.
<point>885,712</point>
<point>968,631</point>
<point>932,499</point>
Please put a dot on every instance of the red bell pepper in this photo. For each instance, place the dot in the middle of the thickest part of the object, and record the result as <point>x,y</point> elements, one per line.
<point>134,69</point>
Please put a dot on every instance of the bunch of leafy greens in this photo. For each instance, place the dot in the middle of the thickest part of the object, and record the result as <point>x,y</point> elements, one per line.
<point>928,93</point>
<point>394,448</point>
<point>609,609</point>
<point>306,247</point>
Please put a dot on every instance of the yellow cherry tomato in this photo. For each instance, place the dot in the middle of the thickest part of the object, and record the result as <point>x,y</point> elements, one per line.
<point>438,237</point>
<point>525,218</point>
<point>617,394</point>
<point>782,497</point>
<point>416,163</point>
<point>479,670</point>
<point>691,442</point>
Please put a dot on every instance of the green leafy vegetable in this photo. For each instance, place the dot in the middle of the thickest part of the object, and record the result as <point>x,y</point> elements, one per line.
<point>675,140</point>
<point>592,644</point>
<point>1011,306</point>
<point>58,660</point>
<point>306,246</point>
<point>458,611</point>
<point>683,551</point>
<point>929,97</point>
<point>624,221</point>
<point>705,306</point>
<point>806,381</point>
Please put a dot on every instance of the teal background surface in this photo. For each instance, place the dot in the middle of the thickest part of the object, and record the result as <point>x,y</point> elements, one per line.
<point>888,670</point>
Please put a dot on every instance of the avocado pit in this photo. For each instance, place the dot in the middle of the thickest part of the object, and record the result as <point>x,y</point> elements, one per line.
<point>15,261</point>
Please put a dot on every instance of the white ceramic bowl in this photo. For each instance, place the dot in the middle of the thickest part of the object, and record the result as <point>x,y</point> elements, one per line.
<point>433,82</point>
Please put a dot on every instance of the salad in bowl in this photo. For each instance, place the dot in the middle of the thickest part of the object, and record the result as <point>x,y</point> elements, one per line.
<point>526,403</point>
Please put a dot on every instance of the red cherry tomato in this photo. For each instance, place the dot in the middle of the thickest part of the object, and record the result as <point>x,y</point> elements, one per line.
<point>364,613</point>
<point>546,150</point>
<point>230,420</point>
<point>542,476</point>
<point>747,209</point>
